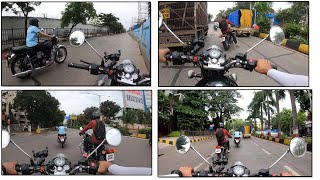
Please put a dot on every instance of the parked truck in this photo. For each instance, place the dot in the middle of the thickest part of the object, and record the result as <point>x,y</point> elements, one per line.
<point>188,20</point>
<point>243,20</point>
<point>246,131</point>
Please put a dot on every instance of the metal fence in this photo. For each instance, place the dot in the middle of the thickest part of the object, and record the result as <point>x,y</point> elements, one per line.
<point>16,36</point>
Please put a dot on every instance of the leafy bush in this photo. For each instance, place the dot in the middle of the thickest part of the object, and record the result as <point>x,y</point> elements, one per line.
<point>124,131</point>
<point>292,30</point>
<point>284,136</point>
<point>145,131</point>
<point>174,134</point>
<point>264,24</point>
<point>308,140</point>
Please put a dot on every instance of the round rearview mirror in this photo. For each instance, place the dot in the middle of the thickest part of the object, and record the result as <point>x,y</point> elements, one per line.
<point>113,136</point>
<point>5,138</point>
<point>183,144</point>
<point>160,19</point>
<point>298,147</point>
<point>276,35</point>
<point>77,38</point>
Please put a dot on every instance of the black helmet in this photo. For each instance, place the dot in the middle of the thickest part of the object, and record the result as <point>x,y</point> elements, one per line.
<point>96,115</point>
<point>34,22</point>
<point>223,15</point>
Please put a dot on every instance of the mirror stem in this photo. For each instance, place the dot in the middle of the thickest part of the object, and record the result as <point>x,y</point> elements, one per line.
<point>279,158</point>
<point>94,50</point>
<point>20,149</point>
<point>96,149</point>
<point>173,34</point>
<point>200,155</point>
<point>257,44</point>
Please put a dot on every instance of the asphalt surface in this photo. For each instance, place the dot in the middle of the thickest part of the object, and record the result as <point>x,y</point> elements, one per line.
<point>132,152</point>
<point>254,153</point>
<point>288,60</point>
<point>61,74</point>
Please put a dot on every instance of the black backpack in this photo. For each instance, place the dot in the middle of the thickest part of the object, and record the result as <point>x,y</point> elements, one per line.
<point>223,25</point>
<point>100,130</point>
<point>220,135</point>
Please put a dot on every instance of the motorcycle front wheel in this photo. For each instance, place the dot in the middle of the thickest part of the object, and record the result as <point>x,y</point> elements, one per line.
<point>18,65</point>
<point>60,55</point>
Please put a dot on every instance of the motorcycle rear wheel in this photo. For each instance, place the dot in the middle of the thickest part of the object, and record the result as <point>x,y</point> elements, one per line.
<point>16,64</point>
<point>225,45</point>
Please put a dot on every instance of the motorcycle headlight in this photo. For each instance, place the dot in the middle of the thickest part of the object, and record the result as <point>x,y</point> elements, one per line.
<point>214,61</point>
<point>238,170</point>
<point>214,53</point>
<point>66,167</point>
<point>221,60</point>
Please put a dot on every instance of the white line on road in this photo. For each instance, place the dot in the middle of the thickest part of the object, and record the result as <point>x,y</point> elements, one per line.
<point>256,144</point>
<point>291,170</point>
<point>266,151</point>
<point>196,168</point>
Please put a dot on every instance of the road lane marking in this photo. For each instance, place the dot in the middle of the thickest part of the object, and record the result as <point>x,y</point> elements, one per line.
<point>203,162</point>
<point>266,151</point>
<point>256,144</point>
<point>291,170</point>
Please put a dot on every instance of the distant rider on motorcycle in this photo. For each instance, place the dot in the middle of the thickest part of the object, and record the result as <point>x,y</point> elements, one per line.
<point>221,134</point>
<point>224,27</point>
<point>61,131</point>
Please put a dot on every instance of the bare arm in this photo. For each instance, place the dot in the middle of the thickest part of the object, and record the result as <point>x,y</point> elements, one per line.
<point>44,34</point>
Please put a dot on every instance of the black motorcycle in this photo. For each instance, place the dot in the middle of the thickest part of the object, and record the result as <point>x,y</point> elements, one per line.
<point>237,141</point>
<point>298,148</point>
<point>227,40</point>
<point>112,74</point>
<point>24,61</point>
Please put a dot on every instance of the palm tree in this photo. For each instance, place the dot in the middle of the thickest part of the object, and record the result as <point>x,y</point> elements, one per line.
<point>256,106</point>
<point>269,100</point>
<point>280,94</point>
<point>294,112</point>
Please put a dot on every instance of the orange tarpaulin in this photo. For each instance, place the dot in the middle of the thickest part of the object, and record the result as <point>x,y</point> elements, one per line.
<point>246,18</point>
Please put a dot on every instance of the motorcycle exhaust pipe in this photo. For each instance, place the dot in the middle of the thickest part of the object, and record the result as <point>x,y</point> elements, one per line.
<point>28,71</point>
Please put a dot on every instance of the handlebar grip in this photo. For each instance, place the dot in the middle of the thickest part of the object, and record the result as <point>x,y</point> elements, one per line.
<point>274,66</point>
<point>178,172</point>
<point>168,56</point>
<point>79,66</point>
<point>84,62</point>
<point>18,168</point>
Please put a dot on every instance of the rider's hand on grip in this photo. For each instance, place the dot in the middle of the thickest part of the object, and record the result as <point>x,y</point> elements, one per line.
<point>177,172</point>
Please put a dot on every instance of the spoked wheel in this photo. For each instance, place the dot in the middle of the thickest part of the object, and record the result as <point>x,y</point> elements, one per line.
<point>18,66</point>
<point>60,55</point>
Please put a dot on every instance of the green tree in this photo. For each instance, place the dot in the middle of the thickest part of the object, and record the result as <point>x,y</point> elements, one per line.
<point>89,111</point>
<point>262,9</point>
<point>236,124</point>
<point>191,113</point>
<point>24,7</point>
<point>294,112</point>
<point>223,104</point>
<point>41,108</point>
<point>111,22</point>
<point>77,12</point>
<point>257,106</point>
<point>280,94</point>
<point>286,120</point>
<point>109,109</point>
<point>82,120</point>
<point>130,116</point>
<point>11,116</point>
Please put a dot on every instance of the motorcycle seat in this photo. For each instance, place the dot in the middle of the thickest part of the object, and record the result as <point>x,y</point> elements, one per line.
<point>20,49</point>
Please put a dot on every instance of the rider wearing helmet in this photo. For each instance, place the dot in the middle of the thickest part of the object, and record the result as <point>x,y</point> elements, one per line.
<point>221,134</point>
<point>224,26</point>
<point>32,40</point>
<point>98,128</point>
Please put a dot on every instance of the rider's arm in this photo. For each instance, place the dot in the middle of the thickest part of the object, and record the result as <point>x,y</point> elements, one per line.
<point>121,170</point>
<point>229,22</point>
<point>89,126</point>
<point>9,168</point>
<point>43,34</point>
<point>286,79</point>
<point>228,134</point>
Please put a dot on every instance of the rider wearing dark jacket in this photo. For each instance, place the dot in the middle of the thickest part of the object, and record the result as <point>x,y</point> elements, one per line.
<point>227,30</point>
<point>226,133</point>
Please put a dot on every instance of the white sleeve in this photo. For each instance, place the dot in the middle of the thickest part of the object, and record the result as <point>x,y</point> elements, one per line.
<point>286,79</point>
<point>121,170</point>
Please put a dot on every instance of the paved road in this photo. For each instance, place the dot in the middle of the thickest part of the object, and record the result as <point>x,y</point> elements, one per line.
<point>287,60</point>
<point>255,153</point>
<point>61,74</point>
<point>132,152</point>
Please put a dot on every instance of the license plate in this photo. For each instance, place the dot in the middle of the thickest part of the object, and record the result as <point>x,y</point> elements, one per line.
<point>62,139</point>
<point>237,140</point>
<point>110,157</point>
<point>218,151</point>
<point>223,39</point>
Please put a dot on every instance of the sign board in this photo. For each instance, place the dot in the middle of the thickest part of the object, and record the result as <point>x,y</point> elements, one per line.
<point>73,118</point>
<point>133,99</point>
<point>148,96</point>
<point>165,13</point>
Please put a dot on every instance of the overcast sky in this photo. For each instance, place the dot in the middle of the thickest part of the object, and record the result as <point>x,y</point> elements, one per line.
<point>125,11</point>
<point>214,7</point>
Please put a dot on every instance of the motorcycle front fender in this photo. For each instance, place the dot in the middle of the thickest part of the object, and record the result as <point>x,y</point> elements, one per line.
<point>221,81</point>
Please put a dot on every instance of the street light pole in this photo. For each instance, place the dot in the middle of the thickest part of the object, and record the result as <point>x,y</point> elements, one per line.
<point>99,109</point>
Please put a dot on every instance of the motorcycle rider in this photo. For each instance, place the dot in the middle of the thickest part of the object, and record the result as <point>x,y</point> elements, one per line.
<point>9,168</point>
<point>61,131</point>
<point>224,27</point>
<point>98,135</point>
<point>284,79</point>
<point>221,134</point>
<point>32,40</point>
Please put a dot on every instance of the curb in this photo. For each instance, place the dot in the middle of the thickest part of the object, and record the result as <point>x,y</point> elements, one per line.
<point>142,136</point>
<point>304,48</point>
<point>174,143</point>
<point>277,140</point>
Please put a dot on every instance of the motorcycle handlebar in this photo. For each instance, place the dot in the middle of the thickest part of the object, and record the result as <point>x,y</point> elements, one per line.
<point>79,66</point>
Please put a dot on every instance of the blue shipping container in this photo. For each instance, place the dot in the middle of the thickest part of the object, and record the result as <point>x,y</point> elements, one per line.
<point>234,17</point>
